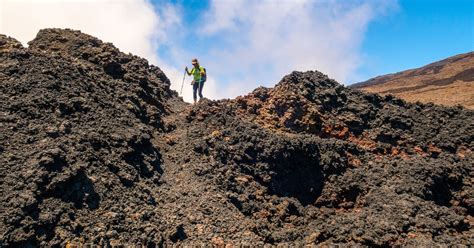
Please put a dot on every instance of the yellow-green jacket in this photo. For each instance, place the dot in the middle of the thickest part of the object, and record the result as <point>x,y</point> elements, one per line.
<point>197,73</point>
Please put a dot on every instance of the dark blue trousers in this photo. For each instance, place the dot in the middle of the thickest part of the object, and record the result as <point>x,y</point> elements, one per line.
<point>198,86</point>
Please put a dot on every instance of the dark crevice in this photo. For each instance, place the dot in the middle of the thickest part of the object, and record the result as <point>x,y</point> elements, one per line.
<point>77,189</point>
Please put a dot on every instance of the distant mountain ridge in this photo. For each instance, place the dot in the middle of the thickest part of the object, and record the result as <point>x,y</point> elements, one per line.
<point>447,82</point>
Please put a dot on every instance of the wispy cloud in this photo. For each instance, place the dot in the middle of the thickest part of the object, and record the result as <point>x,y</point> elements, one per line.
<point>135,26</point>
<point>132,25</point>
<point>248,43</point>
<point>268,39</point>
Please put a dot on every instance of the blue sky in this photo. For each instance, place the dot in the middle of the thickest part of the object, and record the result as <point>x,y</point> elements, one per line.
<point>245,44</point>
<point>398,35</point>
<point>420,32</point>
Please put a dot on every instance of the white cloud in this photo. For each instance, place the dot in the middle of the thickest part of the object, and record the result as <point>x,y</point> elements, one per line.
<point>252,43</point>
<point>268,39</point>
<point>133,26</point>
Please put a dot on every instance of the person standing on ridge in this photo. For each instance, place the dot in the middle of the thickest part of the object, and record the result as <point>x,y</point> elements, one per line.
<point>199,74</point>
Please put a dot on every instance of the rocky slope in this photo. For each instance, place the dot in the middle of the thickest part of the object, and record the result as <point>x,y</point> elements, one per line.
<point>448,82</point>
<point>95,148</point>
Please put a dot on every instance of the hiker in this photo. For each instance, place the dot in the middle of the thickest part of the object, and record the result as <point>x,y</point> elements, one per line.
<point>199,74</point>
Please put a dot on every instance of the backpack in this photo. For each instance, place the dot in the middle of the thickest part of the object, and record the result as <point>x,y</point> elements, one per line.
<point>204,78</point>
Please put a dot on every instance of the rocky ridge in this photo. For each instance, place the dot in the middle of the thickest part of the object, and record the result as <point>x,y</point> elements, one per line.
<point>95,148</point>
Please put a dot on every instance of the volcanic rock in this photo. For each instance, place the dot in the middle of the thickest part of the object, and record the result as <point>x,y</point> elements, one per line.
<point>96,149</point>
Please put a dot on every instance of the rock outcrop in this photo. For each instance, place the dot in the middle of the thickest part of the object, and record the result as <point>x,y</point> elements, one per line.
<point>96,149</point>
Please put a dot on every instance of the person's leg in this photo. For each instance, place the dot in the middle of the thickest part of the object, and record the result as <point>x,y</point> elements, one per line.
<point>195,88</point>
<point>201,84</point>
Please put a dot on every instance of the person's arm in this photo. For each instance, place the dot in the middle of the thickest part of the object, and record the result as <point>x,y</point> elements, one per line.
<point>188,72</point>
<point>202,71</point>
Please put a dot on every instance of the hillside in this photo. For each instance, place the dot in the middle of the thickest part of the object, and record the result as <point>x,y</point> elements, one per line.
<point>96,149</point>
<point>447,82</point>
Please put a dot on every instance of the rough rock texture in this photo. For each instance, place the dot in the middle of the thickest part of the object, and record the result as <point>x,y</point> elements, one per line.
<point>75,136</point>
<point>95,148</point>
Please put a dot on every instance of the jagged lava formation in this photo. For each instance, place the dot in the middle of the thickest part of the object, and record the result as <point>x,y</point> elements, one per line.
<point>96,148</point>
